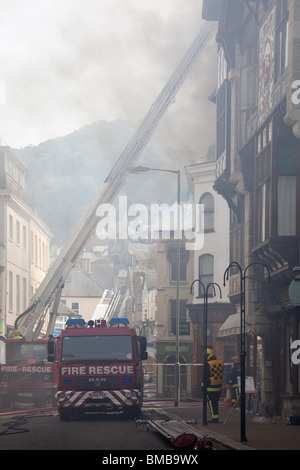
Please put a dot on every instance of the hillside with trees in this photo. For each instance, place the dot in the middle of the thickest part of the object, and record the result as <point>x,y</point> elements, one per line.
<point>66,173</point>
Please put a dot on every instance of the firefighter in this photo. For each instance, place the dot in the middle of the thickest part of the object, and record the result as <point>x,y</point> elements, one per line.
<point>17,334</point>
<point>235,372</point>
<point>214,378</point>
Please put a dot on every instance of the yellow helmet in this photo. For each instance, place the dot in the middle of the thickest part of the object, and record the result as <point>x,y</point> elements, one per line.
<point>17,332</point>
<point>236,358</point>
<point>210,354</point>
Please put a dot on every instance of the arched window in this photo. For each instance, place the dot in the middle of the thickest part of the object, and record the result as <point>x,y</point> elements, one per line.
<point>206,273</point>
<point>208,201</point>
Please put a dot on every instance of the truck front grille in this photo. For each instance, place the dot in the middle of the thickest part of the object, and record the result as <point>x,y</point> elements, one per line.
<point>97,383</point>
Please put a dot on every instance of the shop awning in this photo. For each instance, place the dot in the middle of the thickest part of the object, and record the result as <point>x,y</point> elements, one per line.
<point>232,326</point>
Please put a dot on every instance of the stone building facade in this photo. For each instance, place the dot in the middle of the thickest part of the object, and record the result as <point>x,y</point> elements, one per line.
<point>166,317</point>
<point>24,243</point>
<point>210,263</point>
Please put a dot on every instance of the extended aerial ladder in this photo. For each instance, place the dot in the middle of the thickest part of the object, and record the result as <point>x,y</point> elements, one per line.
<point>46,299</point>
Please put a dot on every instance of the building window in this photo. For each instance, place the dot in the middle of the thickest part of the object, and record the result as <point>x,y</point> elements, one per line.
<point>288,168</point>
<point>172,257</point>
<point>208,201</point>
<point>249,76</point>
<point>61,322</point>
<point>10,291</point>
<point>11,228</point>
<point>43,257</point>
<point>237,241</point>
<point>24,293</point>
<point>18,293</point>
<point>223,106</point>
<point>223,110</point>
<point>36,252</point>
<point>249,86</point>
<point>261,212</point>
<point>206,273</point>
<point>221,120</point>
<point>281,38</point>
<point>182,271</point>
<point>287,214</point>
<point>24,237</point>
<point>40,254</point>
<point>182,314</point>
<point>31,247</point>
<point>249,91</point>
<point>76,307</point>
<point>222,67</point>
<point>18,230</point>
<point>262,172</point>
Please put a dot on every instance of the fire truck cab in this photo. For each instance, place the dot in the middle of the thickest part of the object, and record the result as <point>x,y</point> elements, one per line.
<point>100,368</point>
<point>26,376</point>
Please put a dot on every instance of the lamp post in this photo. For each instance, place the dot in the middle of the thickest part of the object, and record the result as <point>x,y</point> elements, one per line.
<point>234,264</point>
<point>205,362</point>
<point>143,169</point>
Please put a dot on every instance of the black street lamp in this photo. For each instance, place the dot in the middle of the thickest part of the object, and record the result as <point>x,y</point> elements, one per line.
<point>234,264</point>
<point>205,362</point>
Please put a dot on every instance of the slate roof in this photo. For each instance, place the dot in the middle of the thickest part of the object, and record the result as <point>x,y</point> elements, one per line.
<point>79,284</point>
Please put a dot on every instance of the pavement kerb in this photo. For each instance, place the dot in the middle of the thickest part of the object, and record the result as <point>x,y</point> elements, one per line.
<point>226,441</point>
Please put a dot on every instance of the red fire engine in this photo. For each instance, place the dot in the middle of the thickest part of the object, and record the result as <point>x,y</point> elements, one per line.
<point>26,376</point>
<point>100,368</point>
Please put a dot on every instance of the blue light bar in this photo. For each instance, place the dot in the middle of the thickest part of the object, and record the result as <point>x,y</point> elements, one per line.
<point>119,321</point>
<point>73,322</point>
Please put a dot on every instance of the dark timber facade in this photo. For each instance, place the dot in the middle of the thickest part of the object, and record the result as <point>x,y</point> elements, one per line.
<point>258,173</point>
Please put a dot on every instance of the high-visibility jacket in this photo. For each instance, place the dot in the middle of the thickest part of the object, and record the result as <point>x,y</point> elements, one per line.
<point>216,370</point>
<point>214,373</point>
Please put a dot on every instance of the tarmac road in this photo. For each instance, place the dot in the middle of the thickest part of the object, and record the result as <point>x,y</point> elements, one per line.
<point>45,431</point>
<point>39,431</point>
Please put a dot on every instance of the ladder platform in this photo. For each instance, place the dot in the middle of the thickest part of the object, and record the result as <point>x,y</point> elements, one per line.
<point>171,429</point>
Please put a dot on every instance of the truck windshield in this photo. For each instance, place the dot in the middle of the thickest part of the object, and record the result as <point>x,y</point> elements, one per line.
<point>97,348</point>
<point>23,353</point>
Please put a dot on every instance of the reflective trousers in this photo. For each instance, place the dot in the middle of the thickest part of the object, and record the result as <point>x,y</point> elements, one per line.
<point>234,393</point>
<point>213,396</point>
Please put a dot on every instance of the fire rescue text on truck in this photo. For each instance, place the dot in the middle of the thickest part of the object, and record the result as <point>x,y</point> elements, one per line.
<point>26,377</point>
<point>100,368</point>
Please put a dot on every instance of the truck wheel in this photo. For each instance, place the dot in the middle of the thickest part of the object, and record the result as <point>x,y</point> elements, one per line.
<point>63,414</point>
<point>132,412</point>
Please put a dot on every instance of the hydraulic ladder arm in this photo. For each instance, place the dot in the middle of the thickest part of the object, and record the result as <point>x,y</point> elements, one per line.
<point>31,322</point>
